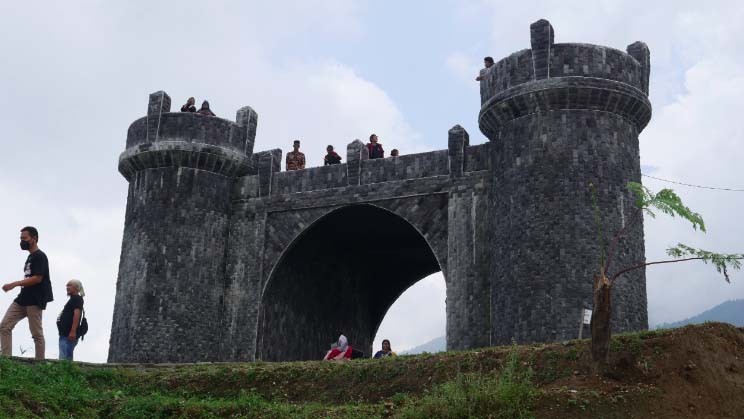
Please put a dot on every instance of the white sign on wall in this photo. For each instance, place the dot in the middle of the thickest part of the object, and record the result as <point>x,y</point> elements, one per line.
<point>587,316</point>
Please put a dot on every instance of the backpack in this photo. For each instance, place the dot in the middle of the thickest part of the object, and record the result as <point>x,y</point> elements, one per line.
<point>83,327</point>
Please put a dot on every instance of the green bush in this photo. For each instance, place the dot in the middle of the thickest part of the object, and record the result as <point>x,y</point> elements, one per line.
<point>511,394</point>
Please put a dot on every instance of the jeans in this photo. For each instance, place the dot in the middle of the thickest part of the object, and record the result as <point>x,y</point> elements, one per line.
<point>66,347</point>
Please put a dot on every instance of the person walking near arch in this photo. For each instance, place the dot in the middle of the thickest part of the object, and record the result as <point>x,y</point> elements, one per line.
<point>69,319</point>
<point>36,292</point>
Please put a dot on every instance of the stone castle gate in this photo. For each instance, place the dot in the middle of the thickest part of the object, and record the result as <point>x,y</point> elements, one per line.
<point>227,258</point>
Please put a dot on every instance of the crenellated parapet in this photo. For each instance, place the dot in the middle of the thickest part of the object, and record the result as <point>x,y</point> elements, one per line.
<point>552,76</point>
<point>184,139</point>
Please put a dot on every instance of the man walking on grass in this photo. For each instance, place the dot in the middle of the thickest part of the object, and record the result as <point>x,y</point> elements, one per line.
<point>36,292</point>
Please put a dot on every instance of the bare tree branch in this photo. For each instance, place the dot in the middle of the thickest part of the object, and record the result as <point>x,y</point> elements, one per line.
<point>639,266</point>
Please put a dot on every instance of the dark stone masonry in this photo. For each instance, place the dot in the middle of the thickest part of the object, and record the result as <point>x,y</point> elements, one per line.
<point>227,258</point>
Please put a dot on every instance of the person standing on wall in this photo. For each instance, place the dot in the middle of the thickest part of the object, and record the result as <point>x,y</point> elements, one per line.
<point>69,319</point>
<point>375,148</point>
<point>36,292</point>
<point>332,157</point>
<point>487,63</point>
<point>295,158</point>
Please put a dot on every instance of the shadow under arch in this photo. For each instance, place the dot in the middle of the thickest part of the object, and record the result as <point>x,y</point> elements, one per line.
<point>340,275</point>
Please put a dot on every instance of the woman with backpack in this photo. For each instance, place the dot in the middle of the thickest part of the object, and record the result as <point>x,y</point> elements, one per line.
<point>68,322</point>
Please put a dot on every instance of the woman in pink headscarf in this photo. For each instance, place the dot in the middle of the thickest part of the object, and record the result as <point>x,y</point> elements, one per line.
<point>342,351</point>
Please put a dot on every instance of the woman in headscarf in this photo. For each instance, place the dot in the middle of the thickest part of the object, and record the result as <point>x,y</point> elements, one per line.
<point>341,352</point>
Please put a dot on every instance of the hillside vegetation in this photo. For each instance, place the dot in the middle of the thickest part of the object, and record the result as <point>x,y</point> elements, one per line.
<point>692,372</point>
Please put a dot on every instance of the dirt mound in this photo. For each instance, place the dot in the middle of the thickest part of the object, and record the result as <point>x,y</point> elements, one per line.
<point>691,372</point>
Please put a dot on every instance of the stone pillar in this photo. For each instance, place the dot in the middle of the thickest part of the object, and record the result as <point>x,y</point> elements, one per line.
<point>356,151</point>
<point>640,52</point>
<point>159,104</point>
<point>458,139</point>
<point>268,163</point>
<point>542,39</point>
<point>248,118</point>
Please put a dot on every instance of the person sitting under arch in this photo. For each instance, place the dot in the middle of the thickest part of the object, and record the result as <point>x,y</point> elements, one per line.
<point>386,351</point>
<point>341,352</point>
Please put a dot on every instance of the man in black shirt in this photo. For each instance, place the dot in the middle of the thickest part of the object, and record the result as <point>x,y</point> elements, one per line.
<point>36,292</point>
<point>69,319</point>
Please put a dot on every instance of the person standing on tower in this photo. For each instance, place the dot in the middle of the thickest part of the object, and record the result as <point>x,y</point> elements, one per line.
<point>295,158</point>
<point>205,109</point>
<point>487,62</point>
<point>375,148</point>
<point>35,293</point>
<point>189,106</point>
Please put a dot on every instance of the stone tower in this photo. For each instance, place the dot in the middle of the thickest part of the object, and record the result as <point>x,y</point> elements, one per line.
<point>559,117</point>
<point>227,258</point>
<point>180,168</point>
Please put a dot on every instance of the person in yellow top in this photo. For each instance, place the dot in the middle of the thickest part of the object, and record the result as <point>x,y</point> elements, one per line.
<point>386,351</point>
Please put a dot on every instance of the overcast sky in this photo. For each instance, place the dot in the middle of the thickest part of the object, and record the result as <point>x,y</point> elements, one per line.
<point>74,75</point>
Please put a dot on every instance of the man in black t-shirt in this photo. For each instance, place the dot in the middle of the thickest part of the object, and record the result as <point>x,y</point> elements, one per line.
<point>69,319</point>
<point>35,293</point>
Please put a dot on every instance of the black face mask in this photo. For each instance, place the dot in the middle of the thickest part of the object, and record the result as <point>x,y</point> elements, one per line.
<point>25,245</point>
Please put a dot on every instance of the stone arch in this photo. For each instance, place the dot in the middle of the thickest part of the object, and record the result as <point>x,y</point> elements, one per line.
<point>340,274</point>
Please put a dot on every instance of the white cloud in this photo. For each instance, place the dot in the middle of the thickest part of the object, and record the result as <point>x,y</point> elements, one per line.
<point>328,103</point>
<point>464,66</point>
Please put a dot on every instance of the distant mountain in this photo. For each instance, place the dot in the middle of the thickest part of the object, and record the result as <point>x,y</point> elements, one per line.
<point>435,345</point>
<point>728,312</point>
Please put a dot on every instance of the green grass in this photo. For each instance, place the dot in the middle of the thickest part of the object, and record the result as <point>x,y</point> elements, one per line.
<point>509,394</point>
<point>66,390</point>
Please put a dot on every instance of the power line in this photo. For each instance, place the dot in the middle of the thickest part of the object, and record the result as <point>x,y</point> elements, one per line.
<point>693,186</point>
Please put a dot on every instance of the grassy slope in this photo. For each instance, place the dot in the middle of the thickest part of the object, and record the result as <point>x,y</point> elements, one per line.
<point>696,371</point>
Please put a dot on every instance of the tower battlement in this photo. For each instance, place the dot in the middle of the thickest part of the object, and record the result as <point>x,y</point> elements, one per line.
<point>577,75</point>
<point>163,138</point>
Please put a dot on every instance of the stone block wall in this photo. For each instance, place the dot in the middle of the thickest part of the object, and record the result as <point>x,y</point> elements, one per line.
<point>407,166</point>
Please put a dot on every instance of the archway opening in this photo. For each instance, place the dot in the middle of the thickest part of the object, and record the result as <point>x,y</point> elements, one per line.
<point>416,322</point>
<point>340,276</point>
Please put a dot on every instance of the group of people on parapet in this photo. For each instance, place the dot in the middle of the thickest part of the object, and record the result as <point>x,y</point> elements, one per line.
<point>36,293</point>
<point>204,110</point>
<point>296,159</point>
<point>343,351</point>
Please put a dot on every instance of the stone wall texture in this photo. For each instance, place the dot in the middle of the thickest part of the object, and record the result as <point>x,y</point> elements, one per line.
<point>258,263</point>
